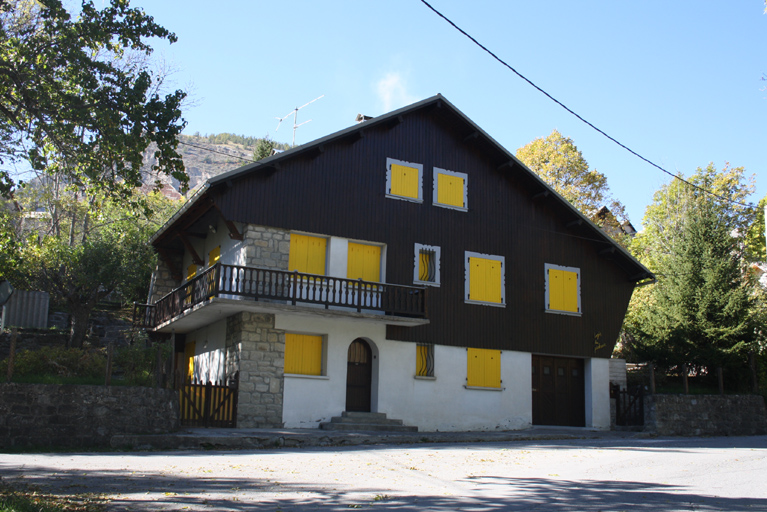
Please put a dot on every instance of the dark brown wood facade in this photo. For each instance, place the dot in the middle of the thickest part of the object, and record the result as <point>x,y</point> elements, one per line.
<point>336,187</point>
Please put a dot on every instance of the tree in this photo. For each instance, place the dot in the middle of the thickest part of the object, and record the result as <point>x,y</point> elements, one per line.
<point>264,148</point>
<point>80,268</point>
<point>78,101</point>
<point>701,311</point>
<point>755,241</point>
<point>559,163</point>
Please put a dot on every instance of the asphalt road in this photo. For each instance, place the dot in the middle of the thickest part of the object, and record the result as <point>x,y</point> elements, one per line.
<point>657,474</point>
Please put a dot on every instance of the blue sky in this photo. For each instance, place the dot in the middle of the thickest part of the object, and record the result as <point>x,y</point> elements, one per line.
<point>678,82</point>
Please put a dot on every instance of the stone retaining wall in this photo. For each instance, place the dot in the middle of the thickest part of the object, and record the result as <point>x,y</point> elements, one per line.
<point>48,415</point>
<point>705,415</point>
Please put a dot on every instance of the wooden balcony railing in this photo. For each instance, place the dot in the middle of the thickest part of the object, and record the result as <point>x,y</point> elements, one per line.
<point>233,281</point>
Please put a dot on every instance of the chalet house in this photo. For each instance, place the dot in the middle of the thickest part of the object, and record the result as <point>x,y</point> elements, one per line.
<point>407,265</point>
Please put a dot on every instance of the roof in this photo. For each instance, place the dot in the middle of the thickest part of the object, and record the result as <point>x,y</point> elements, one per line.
<point>357,130</point>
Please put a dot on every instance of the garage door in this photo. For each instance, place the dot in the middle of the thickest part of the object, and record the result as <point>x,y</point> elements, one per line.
<point>558,391</point>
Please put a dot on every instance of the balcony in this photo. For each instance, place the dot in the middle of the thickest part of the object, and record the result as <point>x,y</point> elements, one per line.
<point>226,289</point>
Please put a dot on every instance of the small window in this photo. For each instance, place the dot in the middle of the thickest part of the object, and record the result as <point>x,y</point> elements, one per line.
<point>562,290</point>
<point>424,362</point>
<point>450,189</point>
<point>426,265</point>
<point>214,255</point>
<point>485,279</point>
<point>303,354</point>
<point>307,254</point>
<point>404,180</point>
<point>483,368</point>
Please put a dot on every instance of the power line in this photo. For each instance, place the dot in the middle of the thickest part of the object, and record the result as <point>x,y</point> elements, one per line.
<point>250,160</point>
<point>523,77</point>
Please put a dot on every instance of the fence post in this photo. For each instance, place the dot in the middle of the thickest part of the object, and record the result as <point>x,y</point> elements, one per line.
<point>652,378</point>
<point>158,368</point>
<point>12,354</point>
<point>685,384</point>
<point>108,377</point>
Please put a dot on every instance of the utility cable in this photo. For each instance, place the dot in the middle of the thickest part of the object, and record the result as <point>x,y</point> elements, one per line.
<point>523,77</point>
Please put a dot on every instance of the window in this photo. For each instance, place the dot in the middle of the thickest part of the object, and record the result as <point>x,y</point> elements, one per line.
<point>364,262</point>
<point>404,180</point>
<point>303,354</point>
<point>483,368</point>
<point>214,255</point>
<point>450,189</point>
<point>307,254</point>
<point>563,290</point>
<point>426,265</point>
<point>485,279</point>
<point>424,360</point>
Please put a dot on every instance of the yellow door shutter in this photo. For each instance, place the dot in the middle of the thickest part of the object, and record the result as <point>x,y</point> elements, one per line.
<point>404,181</point>
<point>450,190</point>
<point>191,271</point>
<point>485,277</point>
<point>303,354</point>
<point>189,351</point>
<point>214,255</point>
<point>307,254</point>
<point>483,368</point>
<point>364,262</point>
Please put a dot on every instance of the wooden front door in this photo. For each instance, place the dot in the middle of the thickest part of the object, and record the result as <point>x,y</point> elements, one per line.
<point>359,376</point>
<point>558,391</point>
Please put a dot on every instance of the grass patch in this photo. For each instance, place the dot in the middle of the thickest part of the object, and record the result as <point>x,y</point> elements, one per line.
<point>32,500</point>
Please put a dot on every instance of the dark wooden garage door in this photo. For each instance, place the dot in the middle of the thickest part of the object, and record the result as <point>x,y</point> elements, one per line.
<point>558,391</point>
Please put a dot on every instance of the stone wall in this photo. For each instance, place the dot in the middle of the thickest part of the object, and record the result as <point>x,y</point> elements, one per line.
<point>162,280</point>
<point>266,247</point>
<point>48,415</point>
<point>705,415</point>
<point>257,350</point>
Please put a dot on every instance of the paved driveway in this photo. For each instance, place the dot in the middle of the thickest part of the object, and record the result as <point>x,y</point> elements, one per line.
<point>702,474</point>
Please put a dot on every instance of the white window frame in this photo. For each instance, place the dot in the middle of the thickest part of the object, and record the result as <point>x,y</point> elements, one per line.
<point>435,193</point>
<point>577,271</point>
<point>467,274</point>
<point>416,263</point>
<point>389,163</point>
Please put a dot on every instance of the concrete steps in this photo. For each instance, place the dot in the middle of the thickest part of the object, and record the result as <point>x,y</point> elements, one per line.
<point>366,421</point>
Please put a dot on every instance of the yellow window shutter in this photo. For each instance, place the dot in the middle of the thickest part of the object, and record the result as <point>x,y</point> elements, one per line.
<point>364,262</point>
<point>450,190</point>
<point>404,181</point>
<point>485,277</point>
<point>191,271</point>
<point>556,289</point>
<point>570,291</point>
<point>421,360</point>
<point>307,254</point>
<point>303,354</point>
<point>214,255</point>
<point>483,368</point>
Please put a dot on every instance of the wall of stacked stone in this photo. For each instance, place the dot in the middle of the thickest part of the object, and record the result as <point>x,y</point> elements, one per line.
<point>266,247</point>
<point>60,416</point>
<point>706,415</point>
<point>162,280</point>
<point>260,352</point>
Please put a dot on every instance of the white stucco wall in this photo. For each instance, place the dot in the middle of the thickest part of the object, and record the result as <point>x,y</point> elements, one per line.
<point>440,404</point>
<point>597,376</point>
<point>210,352</point>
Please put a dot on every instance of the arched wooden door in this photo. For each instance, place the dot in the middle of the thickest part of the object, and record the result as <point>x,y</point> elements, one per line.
<point>359,376</point>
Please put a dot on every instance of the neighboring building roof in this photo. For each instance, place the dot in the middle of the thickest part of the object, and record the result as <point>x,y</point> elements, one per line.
<point>510,163</point>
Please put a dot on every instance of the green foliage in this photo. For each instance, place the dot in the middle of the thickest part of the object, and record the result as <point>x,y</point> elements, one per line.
<point>755,242</point>
<point>559,163</point>
<point>701,311</point>
<point>78,100</point>
<point>264,148</point>
<point>28,499</point>
<point>59,362</point>
<point>137,363</point>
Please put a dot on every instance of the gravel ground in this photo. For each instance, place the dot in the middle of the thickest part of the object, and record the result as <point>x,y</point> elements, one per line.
<point>658,474</point>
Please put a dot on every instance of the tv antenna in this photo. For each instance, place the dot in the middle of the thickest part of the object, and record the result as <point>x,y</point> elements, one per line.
<point>294,113</point>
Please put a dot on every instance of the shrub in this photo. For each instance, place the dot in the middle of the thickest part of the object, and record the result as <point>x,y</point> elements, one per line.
<point>59,361</point>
